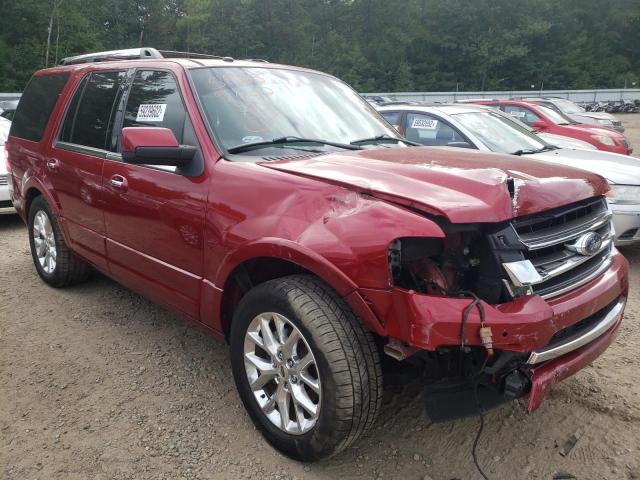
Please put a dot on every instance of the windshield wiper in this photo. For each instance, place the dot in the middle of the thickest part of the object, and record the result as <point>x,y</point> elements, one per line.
<point>530,151</point>
<point>286,140</point>
<point>385,138</point>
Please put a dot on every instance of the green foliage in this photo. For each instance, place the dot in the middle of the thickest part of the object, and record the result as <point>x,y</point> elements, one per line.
<point>375,45</point>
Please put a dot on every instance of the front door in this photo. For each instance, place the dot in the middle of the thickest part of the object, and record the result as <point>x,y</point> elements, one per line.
<point>154,216</point>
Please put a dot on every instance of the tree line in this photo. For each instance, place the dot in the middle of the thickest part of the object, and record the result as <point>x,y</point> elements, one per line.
<point>375,45</point>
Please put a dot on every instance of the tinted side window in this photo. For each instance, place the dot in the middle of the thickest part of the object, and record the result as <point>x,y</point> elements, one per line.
<point>154,101</point>
<point>429,130</point>
<point>70,117</point>
<point>36,105</point>
<point>95,110</point>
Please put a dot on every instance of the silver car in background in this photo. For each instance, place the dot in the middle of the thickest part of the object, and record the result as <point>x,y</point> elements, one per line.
<point>482,128</point>
<point>577,113</point>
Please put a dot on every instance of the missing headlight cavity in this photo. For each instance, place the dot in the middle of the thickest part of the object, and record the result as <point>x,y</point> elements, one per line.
<point>434,266</point>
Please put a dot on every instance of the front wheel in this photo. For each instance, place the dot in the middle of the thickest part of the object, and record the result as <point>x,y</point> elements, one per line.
<point>307,371</point>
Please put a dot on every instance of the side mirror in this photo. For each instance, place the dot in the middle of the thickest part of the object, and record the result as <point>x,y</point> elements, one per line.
<point>154,146</point>
<point>538,125</point>
<point>459,144</point>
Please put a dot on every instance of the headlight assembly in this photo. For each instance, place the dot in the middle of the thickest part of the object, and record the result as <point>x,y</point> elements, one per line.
<point>624,194</point>
<point>604,140</point>
<point>604,121</point>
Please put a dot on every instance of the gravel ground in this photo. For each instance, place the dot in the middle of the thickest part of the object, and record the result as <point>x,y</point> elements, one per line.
<point>99,383</point>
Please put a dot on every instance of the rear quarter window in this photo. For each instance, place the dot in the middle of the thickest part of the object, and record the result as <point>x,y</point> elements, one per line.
<point>36,105</point>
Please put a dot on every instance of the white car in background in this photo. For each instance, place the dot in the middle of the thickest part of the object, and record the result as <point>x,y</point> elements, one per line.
<point>483,128</point>
<point>5,200</point>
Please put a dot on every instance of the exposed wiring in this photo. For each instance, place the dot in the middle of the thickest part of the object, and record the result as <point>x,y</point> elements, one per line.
<point>475,303</point>
<point>474,452</point>
<point>465,316</point>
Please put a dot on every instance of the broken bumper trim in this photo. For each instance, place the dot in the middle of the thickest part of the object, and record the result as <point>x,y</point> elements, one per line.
<point>545,376</point>
<point>608,320</point>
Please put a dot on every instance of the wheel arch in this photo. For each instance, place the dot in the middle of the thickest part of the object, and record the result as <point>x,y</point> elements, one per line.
<point>268,259</point>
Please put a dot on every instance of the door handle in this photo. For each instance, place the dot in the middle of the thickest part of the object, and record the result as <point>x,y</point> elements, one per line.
<point>53,164</point>
<point>118,182</point>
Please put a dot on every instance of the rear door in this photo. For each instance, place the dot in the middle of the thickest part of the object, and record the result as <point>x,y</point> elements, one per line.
<point>27,135</point>
<point>77,157</point>
<point>154,216</point>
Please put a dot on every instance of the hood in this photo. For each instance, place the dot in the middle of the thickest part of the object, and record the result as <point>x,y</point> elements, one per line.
<point>596,115</point>
<point>565,142</point>
<point>465,186</point>
<point>593,129</point>
<point>615,168</point>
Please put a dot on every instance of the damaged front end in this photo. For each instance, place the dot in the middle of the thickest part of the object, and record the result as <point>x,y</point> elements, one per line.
<point>492,312</point>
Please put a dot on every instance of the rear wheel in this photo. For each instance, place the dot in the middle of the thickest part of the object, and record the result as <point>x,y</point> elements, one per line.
<point>55,262</point>
<point>306,369</point>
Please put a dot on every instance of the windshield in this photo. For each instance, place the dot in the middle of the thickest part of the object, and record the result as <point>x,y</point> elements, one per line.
<point>555,117</point>
<point>568,107</point>
<point>498,133</point>
<point>248,105</point>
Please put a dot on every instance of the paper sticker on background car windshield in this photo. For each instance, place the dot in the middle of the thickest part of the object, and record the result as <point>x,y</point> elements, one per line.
<point>252,138</point>
<point>424,123</point>
<point>515,113</point>
<point>148,112</point>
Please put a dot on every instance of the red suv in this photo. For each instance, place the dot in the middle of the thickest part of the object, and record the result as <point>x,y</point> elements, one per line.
<point>544,119</point>
<point>274,208</point>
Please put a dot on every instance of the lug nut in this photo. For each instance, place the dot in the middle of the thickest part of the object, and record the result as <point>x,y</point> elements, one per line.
<point>280,356</point>
<point>293,379</point>
<point>289,363</point>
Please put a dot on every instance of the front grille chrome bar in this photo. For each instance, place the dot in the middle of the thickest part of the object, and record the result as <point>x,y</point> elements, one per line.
<point>565,233</point>
<point>573,343</point>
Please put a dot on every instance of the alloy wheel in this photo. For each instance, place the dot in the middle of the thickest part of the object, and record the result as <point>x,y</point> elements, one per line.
<point>282,373</point>
<point>45,242</point>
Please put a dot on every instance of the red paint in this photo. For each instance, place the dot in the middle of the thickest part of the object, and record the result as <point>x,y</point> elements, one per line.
<point>133,137</point>
<point>177,239</point>
<point>581,131</point>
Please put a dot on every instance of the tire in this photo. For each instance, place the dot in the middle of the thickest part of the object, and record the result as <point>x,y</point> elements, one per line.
<point>66,268</point>
<point>346,365</point>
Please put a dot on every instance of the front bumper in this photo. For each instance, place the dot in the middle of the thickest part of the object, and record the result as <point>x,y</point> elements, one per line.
<point>524,325</point>
<point>626,221</point>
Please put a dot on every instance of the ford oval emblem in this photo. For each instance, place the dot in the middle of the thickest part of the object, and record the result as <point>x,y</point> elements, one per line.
<point>588,244</point>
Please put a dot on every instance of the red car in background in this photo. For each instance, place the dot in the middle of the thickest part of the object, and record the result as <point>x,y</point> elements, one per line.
<point>543,119</point>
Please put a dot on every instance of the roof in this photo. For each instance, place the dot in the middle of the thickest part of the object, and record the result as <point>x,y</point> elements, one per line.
<point>447,108</point>
<point>131,58</point>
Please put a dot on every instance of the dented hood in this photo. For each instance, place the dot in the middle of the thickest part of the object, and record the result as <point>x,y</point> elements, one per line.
<point>464,186</point>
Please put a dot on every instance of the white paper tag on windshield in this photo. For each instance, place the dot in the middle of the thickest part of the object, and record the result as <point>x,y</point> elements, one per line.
<point>151,112</point>
<point>515,113</point>
<point>424,123</point>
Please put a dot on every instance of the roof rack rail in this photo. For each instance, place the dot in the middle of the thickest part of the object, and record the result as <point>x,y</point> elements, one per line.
<point>177,54</point>
<point>126,54</point>
<point>135,54</point>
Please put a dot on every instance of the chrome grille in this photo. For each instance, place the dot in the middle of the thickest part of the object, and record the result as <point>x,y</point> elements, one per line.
<point>4,180</point>
<point>549,239</point>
